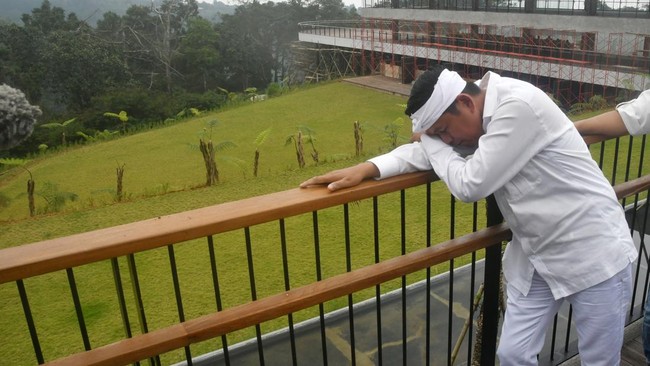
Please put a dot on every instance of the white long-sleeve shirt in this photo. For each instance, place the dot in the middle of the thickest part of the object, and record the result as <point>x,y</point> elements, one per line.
<point>636,114</point>
<point>566,221</point>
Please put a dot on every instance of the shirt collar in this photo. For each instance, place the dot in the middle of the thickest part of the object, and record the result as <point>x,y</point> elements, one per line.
<point>489,82</point>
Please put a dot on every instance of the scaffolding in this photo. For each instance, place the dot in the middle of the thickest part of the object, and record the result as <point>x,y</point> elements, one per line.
<point>569,64</point>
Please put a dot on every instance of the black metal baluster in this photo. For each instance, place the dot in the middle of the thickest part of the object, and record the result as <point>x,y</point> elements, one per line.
<point>179,297</point>
<point>251,277</point>
<point>602,155</point>
<point>554,336</point>
<point>77,308</point>
<point>402,204</point>
<point>615,163</point>
<point>491,297</point>
<point>470,330</point>
<point>628,162</point>
<point>568,330</point>
<point>119,289</point>
<point>321,308</point>
<point>287,287</point>
<point>427,344</point>
<point>375,221</point>
<point>137,294</point>
<point>450,313</point>
<point>217,295</point>
<point>348,267</point>
<point>30,322</point>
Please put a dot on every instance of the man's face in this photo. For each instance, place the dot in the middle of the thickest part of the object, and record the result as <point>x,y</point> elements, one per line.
<point>462,129</point>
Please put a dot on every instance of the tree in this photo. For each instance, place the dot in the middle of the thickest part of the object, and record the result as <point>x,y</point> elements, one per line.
<point>57,125</point>
<point>17,117</point>
<point>259,140</point>
<point>31,185</point>
<point>97,66</point>
<point>198,56</point>
<point>122,116</point>
<point>208,150</point>
<point>172,16</point>
<point>358,139</point>
<point>298,147</point>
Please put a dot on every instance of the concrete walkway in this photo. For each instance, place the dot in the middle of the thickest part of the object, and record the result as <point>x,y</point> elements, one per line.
<point>382,83</point>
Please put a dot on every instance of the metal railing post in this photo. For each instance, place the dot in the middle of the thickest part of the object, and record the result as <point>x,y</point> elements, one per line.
<point>492,282</point>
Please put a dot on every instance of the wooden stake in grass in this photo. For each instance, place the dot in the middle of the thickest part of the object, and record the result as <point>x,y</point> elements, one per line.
<point>31,185</point>
<point>120,175</point>
<point>208,150</point>
<point>259,140</point>
<point>358,139</point>
<point>297,145</point>
<point>211,172</point>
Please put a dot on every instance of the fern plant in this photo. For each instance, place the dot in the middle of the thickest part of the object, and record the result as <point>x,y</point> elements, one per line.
<point>122,116</point>
<point>62,125</point>
<point>259,140</point>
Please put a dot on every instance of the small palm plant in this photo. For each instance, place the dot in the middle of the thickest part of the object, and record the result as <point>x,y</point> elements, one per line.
<point>259,140</point>
<point>31,185</point>
<point>391,131</point>
<point>122,116</point>
<point>208,151</point>
<point>311,140</point>
<point>358,139</point>
<point>62,125</point>
<point>297,145</point>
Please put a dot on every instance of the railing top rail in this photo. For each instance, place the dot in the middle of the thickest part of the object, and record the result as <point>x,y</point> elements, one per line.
<point>245,315</point>
<point>238,317</point>
<point>38,258</point>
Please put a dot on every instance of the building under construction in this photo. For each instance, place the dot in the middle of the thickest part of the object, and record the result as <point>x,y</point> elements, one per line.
<point>568,51</point>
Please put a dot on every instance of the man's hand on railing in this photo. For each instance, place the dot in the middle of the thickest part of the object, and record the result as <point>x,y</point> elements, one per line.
<point>343,178</point>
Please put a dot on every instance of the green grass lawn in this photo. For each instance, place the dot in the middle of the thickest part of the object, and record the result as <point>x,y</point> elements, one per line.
<point>163,161</point>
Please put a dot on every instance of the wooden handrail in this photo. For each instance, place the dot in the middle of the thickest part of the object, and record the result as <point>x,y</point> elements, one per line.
<point>47,256</point>
<point>213,325</point>
<point>238,317</point>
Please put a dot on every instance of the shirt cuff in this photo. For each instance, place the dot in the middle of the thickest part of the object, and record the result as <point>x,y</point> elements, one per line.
<point>631,114</point>
<point>387,165</point>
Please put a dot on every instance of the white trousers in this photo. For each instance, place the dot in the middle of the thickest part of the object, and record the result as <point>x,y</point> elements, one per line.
<point>599,313</point>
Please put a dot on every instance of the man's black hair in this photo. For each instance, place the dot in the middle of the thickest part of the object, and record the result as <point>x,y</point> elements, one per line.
<point>423,88</point>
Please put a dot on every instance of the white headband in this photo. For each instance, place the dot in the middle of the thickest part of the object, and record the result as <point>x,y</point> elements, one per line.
<point>448,87</point>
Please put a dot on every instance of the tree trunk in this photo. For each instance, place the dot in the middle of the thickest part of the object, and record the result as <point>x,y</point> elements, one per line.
<point>30,197</point>
<point>256,162</point>
<point>211,172</point>
<point>120,174</point>
<point>358,139</point>
<point>300,151</point>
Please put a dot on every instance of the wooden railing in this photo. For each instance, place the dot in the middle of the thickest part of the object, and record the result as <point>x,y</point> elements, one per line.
<point>26,261</point>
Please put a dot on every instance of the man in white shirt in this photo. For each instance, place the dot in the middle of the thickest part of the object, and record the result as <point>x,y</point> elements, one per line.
<point>631,117</point>
<point>570,239</point>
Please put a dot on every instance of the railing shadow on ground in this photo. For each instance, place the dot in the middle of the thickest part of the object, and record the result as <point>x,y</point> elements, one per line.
<point>115,249</point>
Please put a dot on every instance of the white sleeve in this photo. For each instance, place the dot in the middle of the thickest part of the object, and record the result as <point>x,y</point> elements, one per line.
<point>513,138</point>
<point>404,159</point>
<point>636,114</point>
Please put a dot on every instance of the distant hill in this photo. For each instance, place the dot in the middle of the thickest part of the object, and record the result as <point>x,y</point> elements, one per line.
<point>93,10</point>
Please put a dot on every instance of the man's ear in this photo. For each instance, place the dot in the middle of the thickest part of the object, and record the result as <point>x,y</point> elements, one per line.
<point>466,100</point>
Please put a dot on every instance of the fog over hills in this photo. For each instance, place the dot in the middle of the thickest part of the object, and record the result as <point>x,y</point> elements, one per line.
<point>93,10</point>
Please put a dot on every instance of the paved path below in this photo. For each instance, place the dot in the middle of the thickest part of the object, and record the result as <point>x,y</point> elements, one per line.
<point>382,83</point>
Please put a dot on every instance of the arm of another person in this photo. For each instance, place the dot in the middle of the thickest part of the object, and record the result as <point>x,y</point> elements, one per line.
<point>631,117</point>
<point>601,127</point>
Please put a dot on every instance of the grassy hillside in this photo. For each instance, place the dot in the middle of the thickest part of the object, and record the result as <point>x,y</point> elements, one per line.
<point>168,159</point>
